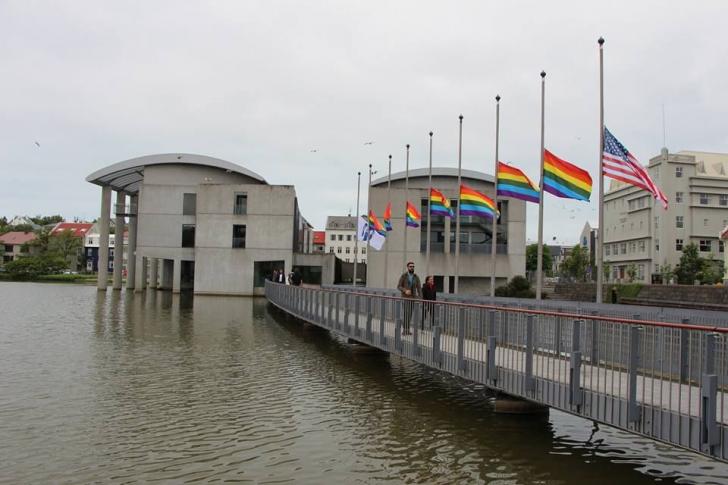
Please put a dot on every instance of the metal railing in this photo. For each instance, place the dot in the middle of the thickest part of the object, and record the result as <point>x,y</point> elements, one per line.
<point>663,380</point>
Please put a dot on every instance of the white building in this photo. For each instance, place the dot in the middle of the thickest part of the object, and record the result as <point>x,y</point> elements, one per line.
<point>341,239</point>
<point>639,232</point>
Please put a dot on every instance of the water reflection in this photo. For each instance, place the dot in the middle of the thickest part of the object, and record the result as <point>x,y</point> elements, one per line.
<point>160,387</point>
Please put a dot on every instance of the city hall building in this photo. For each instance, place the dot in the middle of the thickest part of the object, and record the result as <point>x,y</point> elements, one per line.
<point>475,267</point>
<point>203,224</point>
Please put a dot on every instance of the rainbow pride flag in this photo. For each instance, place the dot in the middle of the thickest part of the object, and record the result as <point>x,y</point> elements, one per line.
<point>474,203</point>
<point>439,205</point>
<point>565,180</point>
<point>388,217</point>
<point>375,224</point>
<point>515,184</point>
<point>412,215</point>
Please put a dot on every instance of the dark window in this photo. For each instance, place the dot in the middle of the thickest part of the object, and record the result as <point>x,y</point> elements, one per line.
<point>333,237</point>
<point>8,248</point>
<point>263,270</point>
<point>239,236</point>
<point>189,204</point>
<point>678,244</point>
<point>241,205</point>
<point>188,235</point>
<point>705,245</point>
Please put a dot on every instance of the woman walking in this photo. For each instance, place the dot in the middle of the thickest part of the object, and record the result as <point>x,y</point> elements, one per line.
<point>429,295</point>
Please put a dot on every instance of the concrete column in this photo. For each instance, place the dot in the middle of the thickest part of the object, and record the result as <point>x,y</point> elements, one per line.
<point>103,273</point>
<point>131,258</point>
<point>154,273</point>
<point>140,278</point>
<point>176,275</point>
<point>119,238</point>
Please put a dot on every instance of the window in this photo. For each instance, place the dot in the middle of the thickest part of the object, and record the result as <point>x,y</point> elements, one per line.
<point>704,199</point>
<point>623,248</point>
<point>363,250</point>
<point>631,204</point>
<point>606,249</point>
<point>642,246</point>
<point>338,250</point>
<point>239,236</point>
<point>721,247</point>
<point>347,260</point>
<point>348,237</point>
<point>678,172</point>
<point>678,197</point>
<point>189,204</point>
<point>723,199</point>
<point>657,222</point>
<point>188,235</point>
<point>705,245</point>
<point>657,244</point>
<point>341,237</point>
<point>641,272</point>
<point>678,244</point>
<point>333,237</point>
<point>705,222</point>
<point>91,241</point>
<point>241,205</point>
<point>348,250</point>
<point>631,226</point>
<point>678,221</point>
<point>616,249</point>
<point>331,249</point>
<point>632,247</point>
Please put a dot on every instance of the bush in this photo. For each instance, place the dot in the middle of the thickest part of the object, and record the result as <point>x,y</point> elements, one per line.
<point>518,287</point>
<point>30,267</point>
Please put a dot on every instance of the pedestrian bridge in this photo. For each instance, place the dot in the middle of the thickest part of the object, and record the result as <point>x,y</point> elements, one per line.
<point>663,380</point>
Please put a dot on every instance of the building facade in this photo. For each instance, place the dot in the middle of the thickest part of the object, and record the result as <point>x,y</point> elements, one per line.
<point>640,234</point>
<point>474,267</point>
<point>15,245</point>
<point>341,239</point>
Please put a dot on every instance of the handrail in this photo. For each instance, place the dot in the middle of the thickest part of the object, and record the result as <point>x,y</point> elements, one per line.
<point>575,316</point>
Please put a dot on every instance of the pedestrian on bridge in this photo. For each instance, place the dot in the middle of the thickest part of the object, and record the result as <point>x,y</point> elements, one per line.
<point>429,295</point>
<point>410,287</point>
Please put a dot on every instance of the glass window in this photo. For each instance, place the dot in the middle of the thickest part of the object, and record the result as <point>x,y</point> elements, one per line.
<point>189,204</point>
<point>606,249</point>
<point>678,244</point>
<point>642,246</point>
<point>678,172</point>
<point>348,250</point>
<point>239,236</point>
<point>333,237</point>
<point>704,199</point>
<point>721,247</point>
<point>678,197</point>
<point>657,244</point>
<point>341,237</point>
<point>363,250</point>
<point>348,237</point>
<point>241,204</point>
<point>657,222</point>
<point>678,221</point>
<point>347,260</point>
<point>623,248</point>
<point>331,249</point>
<point>338,249</point>
<point>705,245</point>
<point>723,199</point>
<point>641,272</point>
<point>188,235</point>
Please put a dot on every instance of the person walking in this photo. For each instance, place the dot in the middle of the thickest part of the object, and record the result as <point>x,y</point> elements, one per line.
<point>429,295</point>
<point>410,288</point>
<point>296,278</point>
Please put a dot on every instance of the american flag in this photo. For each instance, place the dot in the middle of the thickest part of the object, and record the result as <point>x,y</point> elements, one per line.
<point>619,164</point>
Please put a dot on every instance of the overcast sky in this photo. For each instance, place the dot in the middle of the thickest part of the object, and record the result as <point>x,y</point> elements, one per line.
<point>262,84</point>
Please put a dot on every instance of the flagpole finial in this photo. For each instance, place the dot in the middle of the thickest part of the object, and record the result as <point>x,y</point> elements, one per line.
<point>390,157</point>
<point>543,74</point>
<point>460,118</point>
<point>601,41</point>
<point>497,97</point>
<point>431,134</point>
<point>407,146</point>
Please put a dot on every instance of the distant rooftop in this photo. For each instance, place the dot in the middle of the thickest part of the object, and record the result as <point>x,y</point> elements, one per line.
<point>436,172</point>
<point>16,237</point>
<point>341,223</point>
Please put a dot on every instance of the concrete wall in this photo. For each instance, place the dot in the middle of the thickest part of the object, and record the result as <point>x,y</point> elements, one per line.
<point>327,262</point>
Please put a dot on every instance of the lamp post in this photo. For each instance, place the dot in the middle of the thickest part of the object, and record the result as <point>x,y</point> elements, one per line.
<point>356,225</point>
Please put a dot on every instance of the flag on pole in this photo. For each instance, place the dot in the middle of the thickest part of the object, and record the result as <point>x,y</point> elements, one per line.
<point>514,183</point>
<point>564,179</point>
<point>439,205</point>
<point>375,224</point>
<point>474,203</point>
<point>388,217</point>
<point>366,233</point>
<point>412,215</point>
<point>619,164</point>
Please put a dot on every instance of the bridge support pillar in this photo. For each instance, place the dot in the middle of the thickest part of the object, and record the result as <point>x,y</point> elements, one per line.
<point>506,404</point>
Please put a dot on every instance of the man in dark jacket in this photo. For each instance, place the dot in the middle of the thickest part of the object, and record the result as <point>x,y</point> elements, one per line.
<point>410,287</point>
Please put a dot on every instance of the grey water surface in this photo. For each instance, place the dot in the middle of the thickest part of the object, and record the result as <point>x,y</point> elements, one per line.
<point>151,387</point>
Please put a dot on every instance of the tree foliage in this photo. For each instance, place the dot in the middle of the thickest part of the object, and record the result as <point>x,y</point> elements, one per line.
<point>518,287</point>
<point>46,220</point>
<point>576,263</point>
<point>693,267</point>
<point>30,267</point>
<point>532,259</point>
<point>66,244</point>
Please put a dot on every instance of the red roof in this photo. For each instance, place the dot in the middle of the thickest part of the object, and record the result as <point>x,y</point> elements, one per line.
<point>17,237</point>
<point>319,237</point>
<point>79,228</point>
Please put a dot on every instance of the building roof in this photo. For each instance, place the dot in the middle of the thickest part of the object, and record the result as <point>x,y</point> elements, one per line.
<point>341,223</point>
<point>128,175</point>
<point>319,237</point>
<point>17,237</point>
<point>79,228</point>
<point>436,172</point>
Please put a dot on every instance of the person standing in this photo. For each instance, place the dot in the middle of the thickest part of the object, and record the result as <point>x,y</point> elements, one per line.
<point>410,288</point>
<point>296,278</point>
<point>429,294</point>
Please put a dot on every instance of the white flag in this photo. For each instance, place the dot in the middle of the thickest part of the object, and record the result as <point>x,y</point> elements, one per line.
<point>365,233</point>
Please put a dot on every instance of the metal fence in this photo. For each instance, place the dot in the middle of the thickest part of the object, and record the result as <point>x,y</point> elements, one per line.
<point>660,379</point>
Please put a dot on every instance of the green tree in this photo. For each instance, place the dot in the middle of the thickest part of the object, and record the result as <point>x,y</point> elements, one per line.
<point>66,244</point>
<point>575,264</point>
<point>691,265</point>
<point>667,272</point>
<point>631,272</point>
<point>532,259</point>
<point>33,266</point>
<point>42,240</point>
<point>45,220</point>
<point>518,287</point>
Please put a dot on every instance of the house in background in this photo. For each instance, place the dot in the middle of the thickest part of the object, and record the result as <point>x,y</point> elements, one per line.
<point>91,249</point>
<point>14,244</point>
<point>78,230</point>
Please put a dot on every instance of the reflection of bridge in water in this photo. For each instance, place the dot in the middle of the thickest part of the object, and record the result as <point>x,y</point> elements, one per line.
<point>663,380</point>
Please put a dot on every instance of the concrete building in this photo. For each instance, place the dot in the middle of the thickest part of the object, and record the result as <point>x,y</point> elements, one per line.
<point>341,239</point>
<point>475,243</point>
<point>588,240</point>
<point>202,224</point>
<point>639,232</point>
<point>14,245</point>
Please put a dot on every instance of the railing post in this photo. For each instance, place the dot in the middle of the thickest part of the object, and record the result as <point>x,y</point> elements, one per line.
<point>557,333</point>
<point>709,432</point>
<point>317,306</point>
<point>356,315</point>
<point>462,365</point>
<point>398,325</point>
<point>684,352</point>
<point>529,382</point>
<point>491,369</point>
<point>436,350</point>
<point>330,310</point>
<point>347,297</point>
<point>481,325</point>
<point>382,316</point>
<point>417,314</point>
<point>369,319</point>
<point>594,357</point>
<point>635,360</point>
<point>337,323</point>
<point>575,392</point>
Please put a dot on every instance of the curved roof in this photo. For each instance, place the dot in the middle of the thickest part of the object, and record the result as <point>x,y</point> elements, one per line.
<point>128,175</point>
<point>437,172</point>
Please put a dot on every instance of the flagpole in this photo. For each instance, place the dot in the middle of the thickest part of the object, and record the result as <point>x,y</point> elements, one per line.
<point>356,225</point>
<point>406,199</point>
<point>429,190</point>
<point>539,260</point>
<point>600,229</point>
<point>389,201</point>
<point>369,208</point>
<point>494,236</point>
<point>457,220</point>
